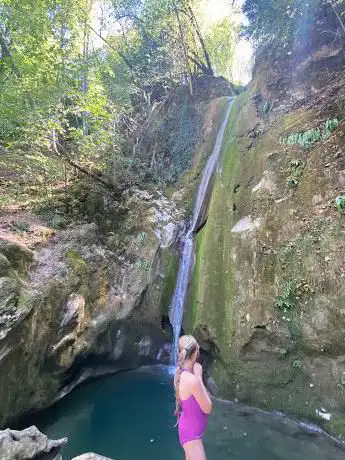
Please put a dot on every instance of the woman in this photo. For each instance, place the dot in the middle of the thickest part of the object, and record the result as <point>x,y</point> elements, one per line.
<point>193,403</point>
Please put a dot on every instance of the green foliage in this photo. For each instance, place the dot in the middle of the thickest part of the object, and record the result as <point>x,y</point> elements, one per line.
<point>143,264</point>
<point>297,364</point>
<point>173,140</point>
<point>21,226</point>
<point>305,139</point>
<point>221,40</point>
<point>287,300</point>
<point>142,237</point>
<point>330,126</point>
<point>281,23</point>
<point>292,293</point>
<point>266,107</point>
<point>57,221</point>
<point>308,138</point>
<point>76,262</point>
<point>73,103</point>
<point>296,168</point>
<point>340,203</point>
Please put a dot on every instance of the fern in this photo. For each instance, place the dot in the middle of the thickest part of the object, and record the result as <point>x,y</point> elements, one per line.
<point>308,138</point>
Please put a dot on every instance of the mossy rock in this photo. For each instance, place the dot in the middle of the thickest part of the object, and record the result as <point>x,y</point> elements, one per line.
<point>5,265</point>
<point>9,293</point>
<point>19,257</point>
<point>171,265</point>
<point>76,263</point>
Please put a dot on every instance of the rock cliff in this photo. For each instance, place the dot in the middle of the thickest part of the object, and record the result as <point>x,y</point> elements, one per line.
<point>267,298</point>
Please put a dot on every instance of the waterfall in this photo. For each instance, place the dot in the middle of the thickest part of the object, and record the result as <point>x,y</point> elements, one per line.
<point>187,259</point>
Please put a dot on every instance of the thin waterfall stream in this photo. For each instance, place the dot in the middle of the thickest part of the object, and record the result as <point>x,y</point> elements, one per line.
<point>187,259</point>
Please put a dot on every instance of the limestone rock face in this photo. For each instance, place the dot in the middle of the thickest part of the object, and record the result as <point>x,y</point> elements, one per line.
<point>94,297</point>
<point>267,299</point>
<point>28,444</point>
<point>75,308</point>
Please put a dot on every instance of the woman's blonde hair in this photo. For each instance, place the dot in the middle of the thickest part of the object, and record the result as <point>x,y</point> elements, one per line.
<point>187,347</point>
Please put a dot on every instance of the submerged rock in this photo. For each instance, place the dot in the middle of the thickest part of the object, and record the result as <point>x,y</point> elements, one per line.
<point>28,444</point>
<point>91,457</point>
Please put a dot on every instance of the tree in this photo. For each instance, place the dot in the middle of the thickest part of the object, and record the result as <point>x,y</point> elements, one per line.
<point>285,22</point>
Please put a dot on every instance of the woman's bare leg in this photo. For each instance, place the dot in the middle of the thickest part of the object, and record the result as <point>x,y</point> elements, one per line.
<point>194,450</point>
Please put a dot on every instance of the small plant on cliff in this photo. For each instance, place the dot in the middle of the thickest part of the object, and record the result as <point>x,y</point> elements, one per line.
<point>297,364</point>
<point>76,262</point>
<point>287,300</point>
<point>305,139</point>
<point>330,126</point>
<point>308,138</point>
<point>292,293</point>
<point>266,107</point>
<point>296,168</point>
<point>20,226</point>
<point>143,264</point>
<point>142,237</point>
<point>340,203</point>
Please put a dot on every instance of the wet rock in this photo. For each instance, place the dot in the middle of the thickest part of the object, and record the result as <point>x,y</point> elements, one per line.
<point>267,183</point>
<point>83,311</point>
<point>19,256</point>
<point>91,457</point>
<point>5,265</point>
<point>280,347</point>
<point>74,309</point>
<point>168,234</point>
<point>9,292</point>
<point>28,444</point>
<point>246,224</point>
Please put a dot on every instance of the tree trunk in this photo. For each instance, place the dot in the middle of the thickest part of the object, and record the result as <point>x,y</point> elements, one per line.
<point>184,49</point>
<point>85,84</point>
<point>6,52</point>
<point>196,27</point>
<point>338,15</point>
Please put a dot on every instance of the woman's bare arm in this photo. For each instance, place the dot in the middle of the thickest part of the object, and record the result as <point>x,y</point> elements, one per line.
<point>199,390</point>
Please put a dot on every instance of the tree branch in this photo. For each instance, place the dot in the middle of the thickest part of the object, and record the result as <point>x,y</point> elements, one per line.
<point>119,53</point>
<point>337,14</point>
<point>64,156</point>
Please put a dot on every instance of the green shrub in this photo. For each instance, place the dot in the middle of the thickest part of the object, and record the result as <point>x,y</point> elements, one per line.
<point>266,107</point>
<point>76,262</point>
<point>330,126</point>
<point>305,139</point>
<point>20,226</point>
<point>142,237</point>
<point>291,294</point>
<point>57,221</point>
<point>340,203</point>
<point>143,264</point>
<point>297,364</point>
<point>296,168</point>
<point>287,300</point>
<point>308,138</point>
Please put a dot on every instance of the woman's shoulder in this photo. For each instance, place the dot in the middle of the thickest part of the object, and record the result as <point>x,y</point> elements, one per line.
<point>188,378</point>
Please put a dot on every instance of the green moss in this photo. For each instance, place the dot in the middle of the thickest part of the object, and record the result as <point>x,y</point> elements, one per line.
<point>191,178</point>
<point>76,262</point>
<point>212,289</point>
<point>5,265</point>
<point>26,301</point>
<point>19,257</point>
<point>335,425</point>
<point>171,265</point>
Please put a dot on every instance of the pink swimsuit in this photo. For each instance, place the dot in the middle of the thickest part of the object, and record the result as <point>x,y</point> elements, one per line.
<point>192,422</point>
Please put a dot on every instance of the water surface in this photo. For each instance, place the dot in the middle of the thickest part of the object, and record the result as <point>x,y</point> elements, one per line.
<point>128,416</point>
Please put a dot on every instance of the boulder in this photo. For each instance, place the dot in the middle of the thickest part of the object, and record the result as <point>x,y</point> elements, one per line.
<point>28,444</point>
<point>91,456</point>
